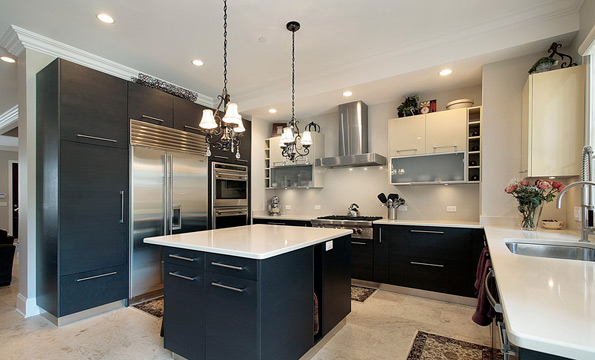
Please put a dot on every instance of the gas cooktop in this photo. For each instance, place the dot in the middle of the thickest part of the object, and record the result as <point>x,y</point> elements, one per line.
<point>347,217</point>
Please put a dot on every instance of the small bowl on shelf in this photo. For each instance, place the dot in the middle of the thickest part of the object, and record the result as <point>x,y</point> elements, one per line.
<point>552,224</point>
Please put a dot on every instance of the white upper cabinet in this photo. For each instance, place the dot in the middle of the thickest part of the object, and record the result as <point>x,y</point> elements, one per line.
<point>433,133</point>
<point>446,131</point>
<point>407,136</point>
<point>553,118</point>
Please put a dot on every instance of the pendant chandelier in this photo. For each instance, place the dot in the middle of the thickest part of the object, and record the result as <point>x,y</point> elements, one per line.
<point>293,144</point>
<point>223,133</point>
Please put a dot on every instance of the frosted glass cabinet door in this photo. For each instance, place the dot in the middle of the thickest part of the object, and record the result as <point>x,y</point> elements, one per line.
<point>406,136</point>
<point>428,169</point>
<point>446,131</point>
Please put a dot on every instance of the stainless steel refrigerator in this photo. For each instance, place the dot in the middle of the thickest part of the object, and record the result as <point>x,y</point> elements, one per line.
<point>168,196</point>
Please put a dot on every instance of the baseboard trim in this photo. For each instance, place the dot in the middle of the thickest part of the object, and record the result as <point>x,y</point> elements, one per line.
<point>27,306</point>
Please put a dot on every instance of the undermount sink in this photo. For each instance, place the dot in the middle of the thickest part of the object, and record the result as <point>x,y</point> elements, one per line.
<point>557,251</point>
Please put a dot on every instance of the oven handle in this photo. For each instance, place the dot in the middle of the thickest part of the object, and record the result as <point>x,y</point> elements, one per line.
<point>221,176</point>
<point>231,212</point>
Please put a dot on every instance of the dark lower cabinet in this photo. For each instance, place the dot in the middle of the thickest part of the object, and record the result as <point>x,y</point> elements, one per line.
<point>82,220</point>
<point>440,259</point>
<point>362,259</point>
<point>184,330</point>
<point>227,307</point>
<point>282,222</point>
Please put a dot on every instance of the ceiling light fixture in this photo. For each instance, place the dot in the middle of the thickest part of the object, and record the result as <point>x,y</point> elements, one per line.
<point>294,144</point>
<point>445,72</point>
<point>347,93</point>
<point>272,111</point>
<point>8,59</point>
<point>223,133</point>
<point>197,62</point>
<point>105,18</point>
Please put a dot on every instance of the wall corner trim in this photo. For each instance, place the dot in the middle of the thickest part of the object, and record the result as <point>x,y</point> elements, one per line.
<point>27,306</point>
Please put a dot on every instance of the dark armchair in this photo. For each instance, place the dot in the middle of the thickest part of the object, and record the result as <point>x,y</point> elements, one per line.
<point>7,250</point>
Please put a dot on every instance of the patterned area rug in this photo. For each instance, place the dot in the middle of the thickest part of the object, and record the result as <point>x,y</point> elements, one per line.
<point>153,307</point>
<point>360,294</point>
<point>435,347</point>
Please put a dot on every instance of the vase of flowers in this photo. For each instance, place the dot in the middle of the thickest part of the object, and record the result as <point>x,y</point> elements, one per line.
<point>531,198</point>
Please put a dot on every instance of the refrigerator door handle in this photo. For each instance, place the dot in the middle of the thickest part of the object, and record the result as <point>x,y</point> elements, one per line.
<point>171,195</point>
<point>164,193</point>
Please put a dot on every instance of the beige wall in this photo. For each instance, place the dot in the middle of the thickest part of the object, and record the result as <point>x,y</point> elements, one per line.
<point>5,213</point>
<point>8,86</point>
<point>586,23</point>
<point>502,91</point>
<point>343,186</point>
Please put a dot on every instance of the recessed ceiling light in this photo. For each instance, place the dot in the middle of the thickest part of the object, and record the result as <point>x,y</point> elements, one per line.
<point>272,111</point>
<point>197,62</point>
<point>7,59</point>
<point>445,72</point>
<point>103,17</point>
<point>347,93</point>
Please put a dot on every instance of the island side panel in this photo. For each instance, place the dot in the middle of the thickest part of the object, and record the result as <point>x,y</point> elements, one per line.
<point>287,305</point>
<point>334,276</point>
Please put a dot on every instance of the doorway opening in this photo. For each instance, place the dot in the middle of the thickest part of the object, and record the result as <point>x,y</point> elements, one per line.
<point>13,195</point>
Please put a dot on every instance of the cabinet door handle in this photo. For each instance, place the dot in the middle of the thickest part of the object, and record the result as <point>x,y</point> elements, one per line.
<point>380,235</point>
<point>276,223</point>
<point>227,287</point>
<point>445,146</point>
<point>427,232</point>
<point>181,257</point>
<point>176,274</point>
<point>426,264</point>
<point>358,243</point>
<point>96,138</point>
<point>403,150</point>
<point>220,157</point>
<point>151,118</point>
<point>192,128</point>
<point>96,276</point>
<point>122,207</point>
<point>240,268</point>
<point>242,160</point>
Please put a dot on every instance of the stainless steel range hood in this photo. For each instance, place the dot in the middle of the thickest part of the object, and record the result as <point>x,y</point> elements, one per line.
<point>353,139</point>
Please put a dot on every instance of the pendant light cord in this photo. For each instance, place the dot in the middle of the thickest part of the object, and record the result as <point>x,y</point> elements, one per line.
<point>225,95</point>
<point>293,76</point>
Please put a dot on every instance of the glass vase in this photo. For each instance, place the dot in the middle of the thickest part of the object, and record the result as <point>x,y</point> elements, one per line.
<point>530,216</point>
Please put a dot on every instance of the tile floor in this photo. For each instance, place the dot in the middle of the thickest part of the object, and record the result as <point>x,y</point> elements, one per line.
<point>383,327</point>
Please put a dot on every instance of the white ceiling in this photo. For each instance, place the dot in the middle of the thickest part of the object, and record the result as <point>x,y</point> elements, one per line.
<point>379,49</point>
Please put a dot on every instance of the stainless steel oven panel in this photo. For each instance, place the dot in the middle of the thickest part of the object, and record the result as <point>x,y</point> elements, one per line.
<point>229,172</point>
<point>230,202</point>
<point>359,232</point>
<point>232,211</point>
<point>229,217</point>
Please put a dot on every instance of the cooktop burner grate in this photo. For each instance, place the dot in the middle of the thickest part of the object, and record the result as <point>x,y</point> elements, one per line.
<point>347,217</point>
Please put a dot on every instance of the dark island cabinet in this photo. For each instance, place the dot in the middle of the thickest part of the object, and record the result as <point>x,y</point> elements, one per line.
<point>362,259</point>
<point>441,259</point>
<point>150,105</point>
<point>82,189</point>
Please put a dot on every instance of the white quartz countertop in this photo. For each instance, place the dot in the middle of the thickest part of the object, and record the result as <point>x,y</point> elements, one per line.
<point>251,241</point>
<point>443,223</point>
<point>549,304</point>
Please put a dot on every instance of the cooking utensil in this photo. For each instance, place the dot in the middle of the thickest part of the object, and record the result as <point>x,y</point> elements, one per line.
<point>393,197</point>
<point>382,198</point>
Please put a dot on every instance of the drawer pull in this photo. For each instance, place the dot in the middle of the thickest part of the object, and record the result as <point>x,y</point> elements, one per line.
<point>427,232</point>
<point>403,150</point>
<point>445,146</point>
<point>227,266</point>
<point>426,264</point>
<point>176,274</point>
<point>181,257</point>
<point>192,128</point>
<point>151,118</point>
<point>96,138</point>
<point>96,276</point>
<point>227,287</point>
<point>358,243</point>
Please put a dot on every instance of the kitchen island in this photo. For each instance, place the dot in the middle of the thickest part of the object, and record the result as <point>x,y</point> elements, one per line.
<point>253,292</point>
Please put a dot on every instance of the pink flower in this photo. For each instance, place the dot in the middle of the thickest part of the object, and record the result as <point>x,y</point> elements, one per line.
<point>556,184</point>
<point>561,187</point>
<point>510,188</point>
<point>525,182</point>
<point>544,185</point>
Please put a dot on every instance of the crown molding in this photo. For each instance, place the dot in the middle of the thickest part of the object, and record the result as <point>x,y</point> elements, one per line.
<point>9,120</point>
<point>17,39</point>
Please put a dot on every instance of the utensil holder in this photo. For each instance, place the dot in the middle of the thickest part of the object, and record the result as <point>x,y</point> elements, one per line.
<point>392,213</point>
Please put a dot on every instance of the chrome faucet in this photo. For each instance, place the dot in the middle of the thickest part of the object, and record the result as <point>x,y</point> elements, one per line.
<point>587,203</point>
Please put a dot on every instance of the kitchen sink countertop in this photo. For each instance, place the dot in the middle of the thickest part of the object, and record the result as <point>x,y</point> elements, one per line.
<point>250,241</point>
<point>549,304</point>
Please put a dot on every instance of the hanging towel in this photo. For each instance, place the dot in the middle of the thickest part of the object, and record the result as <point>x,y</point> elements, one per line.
<point>484,312</point>
<point>479,275</point>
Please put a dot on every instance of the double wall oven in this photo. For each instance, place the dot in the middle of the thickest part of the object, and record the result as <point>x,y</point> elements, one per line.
<point>229,195</point>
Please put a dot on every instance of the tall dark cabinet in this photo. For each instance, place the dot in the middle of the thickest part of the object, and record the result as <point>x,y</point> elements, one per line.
<point>82,189</point>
